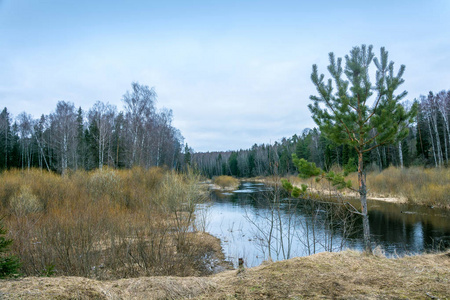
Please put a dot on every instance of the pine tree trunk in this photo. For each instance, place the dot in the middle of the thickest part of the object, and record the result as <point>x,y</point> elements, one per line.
<point>363,198</point>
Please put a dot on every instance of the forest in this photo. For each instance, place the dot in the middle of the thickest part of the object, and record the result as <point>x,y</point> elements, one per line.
<point>71,138</point>
<point>427,144</point>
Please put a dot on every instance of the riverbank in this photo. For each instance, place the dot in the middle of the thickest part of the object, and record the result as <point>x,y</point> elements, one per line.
<point>347,274</point>
<point>414,185</point>
<point>326,191</point>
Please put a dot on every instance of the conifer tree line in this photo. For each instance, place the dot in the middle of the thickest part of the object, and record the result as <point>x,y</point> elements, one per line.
<point>71,138</point>
<point>427,144</point>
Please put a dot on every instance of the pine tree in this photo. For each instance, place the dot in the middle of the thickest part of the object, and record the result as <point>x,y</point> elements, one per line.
<point>8,263</point>
<point>345,115</point>
<point>233,163</point>
<point>187,156</point>
<point>5,139</point>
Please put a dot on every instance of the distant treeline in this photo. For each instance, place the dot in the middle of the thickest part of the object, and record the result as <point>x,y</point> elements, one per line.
<point>426,145</point>
<point>71,138</point>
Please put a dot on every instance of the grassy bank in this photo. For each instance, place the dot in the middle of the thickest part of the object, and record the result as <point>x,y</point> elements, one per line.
<point>415,185</point>
<point>106,224</point>
<point>326,275</point>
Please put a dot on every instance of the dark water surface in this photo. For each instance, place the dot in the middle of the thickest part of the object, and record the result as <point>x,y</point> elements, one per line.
<point>242,220</point>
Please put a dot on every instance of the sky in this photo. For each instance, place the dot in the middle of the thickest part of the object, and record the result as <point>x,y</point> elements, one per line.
<point>235,73</point>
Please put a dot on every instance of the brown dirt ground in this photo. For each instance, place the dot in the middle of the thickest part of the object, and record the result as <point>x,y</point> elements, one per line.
<point>344,275</point>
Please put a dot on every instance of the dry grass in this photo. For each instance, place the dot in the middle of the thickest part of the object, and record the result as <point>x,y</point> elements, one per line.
<point>347,274</point>
<point>416,184</point>
<point>105,224</point>
<point>343,275</point>
<point>226,182</point>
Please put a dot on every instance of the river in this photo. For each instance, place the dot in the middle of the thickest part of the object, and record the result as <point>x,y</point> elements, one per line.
<point>252,225</point>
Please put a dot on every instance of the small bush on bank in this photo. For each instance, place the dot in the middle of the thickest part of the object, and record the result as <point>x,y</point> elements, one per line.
<point>225,181</point>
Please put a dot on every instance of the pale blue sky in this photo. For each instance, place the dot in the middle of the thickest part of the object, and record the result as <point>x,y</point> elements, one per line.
<point>235,73</point>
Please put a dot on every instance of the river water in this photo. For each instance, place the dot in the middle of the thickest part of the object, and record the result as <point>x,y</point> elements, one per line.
<point>252,225</point>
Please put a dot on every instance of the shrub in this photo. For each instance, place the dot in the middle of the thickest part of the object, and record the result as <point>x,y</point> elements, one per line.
<point>103,224</point>
<point>25,202</point>
<point>225,181</point>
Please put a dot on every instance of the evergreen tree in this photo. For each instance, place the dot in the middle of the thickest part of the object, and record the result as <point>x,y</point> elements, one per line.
<point>187,156</point>
<point>5,139</point>
<point>119,139</point>
<point>8,263</point>
<point>81,142</point>
<point>346,117</point>
<point>233,163</point>
<point>14,147</point>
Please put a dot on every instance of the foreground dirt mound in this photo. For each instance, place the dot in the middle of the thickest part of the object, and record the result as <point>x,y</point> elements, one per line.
<point>347,274</point>
<point>84,288</point>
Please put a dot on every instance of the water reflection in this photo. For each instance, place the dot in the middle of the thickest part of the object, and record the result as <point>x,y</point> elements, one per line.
<point>240,220</point>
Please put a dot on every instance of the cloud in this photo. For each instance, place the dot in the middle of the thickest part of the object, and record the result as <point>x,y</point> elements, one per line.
<point>234,75</point>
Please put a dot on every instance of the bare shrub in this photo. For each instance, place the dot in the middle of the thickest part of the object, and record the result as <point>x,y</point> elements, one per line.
<point>105,224</point>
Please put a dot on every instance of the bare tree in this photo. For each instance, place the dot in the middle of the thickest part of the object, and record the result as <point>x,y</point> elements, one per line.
<point>63,123</point>
<point>139,108</point>
<point>429,108</point>
<point>443,104</point>
<point>26,124</point>
<point>101,117</point>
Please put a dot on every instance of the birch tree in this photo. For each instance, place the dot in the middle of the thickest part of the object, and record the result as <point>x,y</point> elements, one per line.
<point>102,116</point>
<point>64,131</point>
<point>443,103</point>
<point>139,109</point>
